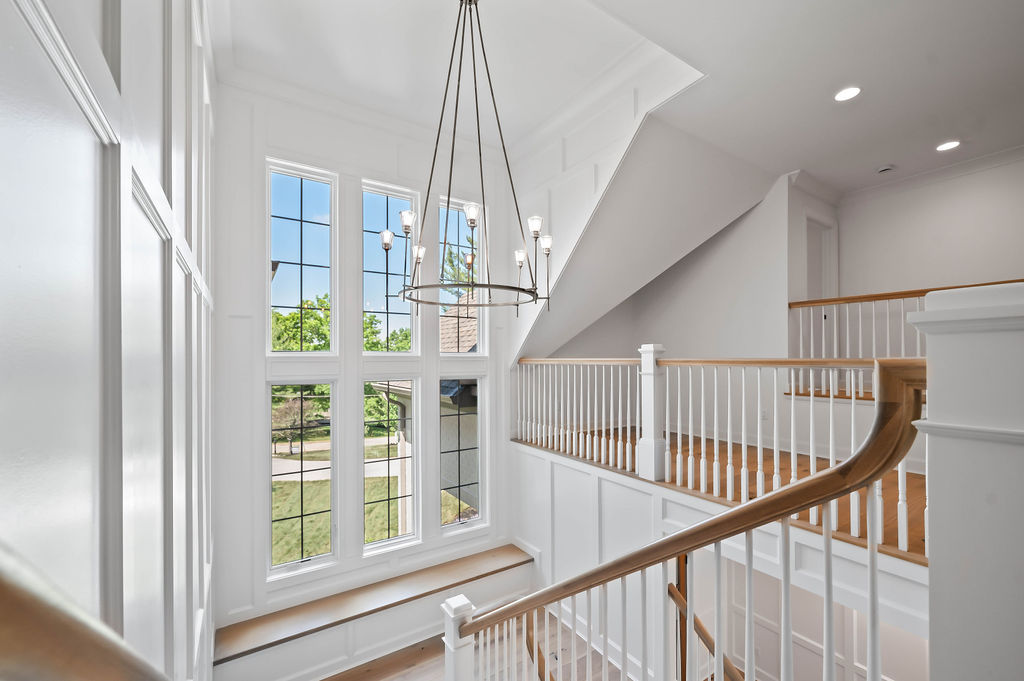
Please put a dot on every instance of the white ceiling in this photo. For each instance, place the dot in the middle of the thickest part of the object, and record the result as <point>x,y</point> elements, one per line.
<point>391,56</point>
<point>930,70</point>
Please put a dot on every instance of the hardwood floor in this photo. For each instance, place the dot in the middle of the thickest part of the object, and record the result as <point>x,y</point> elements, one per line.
<point>890,491</point>
<point>423,661</point>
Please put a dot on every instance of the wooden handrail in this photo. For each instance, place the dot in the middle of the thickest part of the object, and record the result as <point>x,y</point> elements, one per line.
<point>900,383</point>
<point>44,636</point>
<point>731,672</point>
<point>579,360</point>
<point>795,363</point>
<point>892,295</point>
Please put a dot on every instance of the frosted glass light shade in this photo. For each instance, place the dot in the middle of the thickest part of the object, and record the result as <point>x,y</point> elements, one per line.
<point>472,211</point>
<point>408,218</point>
<point>545,243</point>
<point>420,252</point>
<point>535,223</point>
<point>520,258</point>
<point>387,237</point>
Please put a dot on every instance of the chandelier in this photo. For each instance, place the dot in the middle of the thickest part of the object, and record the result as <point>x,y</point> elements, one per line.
<point>464,272</point>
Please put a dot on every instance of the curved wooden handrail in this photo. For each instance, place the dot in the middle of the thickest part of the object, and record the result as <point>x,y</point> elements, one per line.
<point>900,383</point>
<point>45,636</point>
<point>579,360</point>
<point>892,295</point>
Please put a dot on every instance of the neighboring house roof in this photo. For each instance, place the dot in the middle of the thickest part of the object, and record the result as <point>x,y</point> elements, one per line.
<point>459,326</point>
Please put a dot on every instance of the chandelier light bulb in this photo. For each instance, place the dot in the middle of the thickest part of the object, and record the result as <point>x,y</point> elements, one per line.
<point>420,252</point>
<point>470,257</point>
<point>520,258</point>
<point>387,237</point>
<point>408,218</point>
<point>535,223</point>
<point>472,211</point>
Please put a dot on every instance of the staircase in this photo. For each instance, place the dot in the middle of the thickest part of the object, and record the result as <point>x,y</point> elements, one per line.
<point>628,608</point>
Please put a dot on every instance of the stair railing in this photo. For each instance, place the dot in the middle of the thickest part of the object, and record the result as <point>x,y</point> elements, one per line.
<point>618,617</point>
<point>43,635</point>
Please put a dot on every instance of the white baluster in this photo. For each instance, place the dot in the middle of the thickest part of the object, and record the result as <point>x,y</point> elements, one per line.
<point>716,480</point>
<point>629,412</point>
<point>792,433</point>
<point>786,620</point>
<point>604,630</point>
<point>592,413</point>
<point>639,415</point>
<point>620,450</point>
<point>917,331</point>
<point>547,640</point>
<point>847,308</point>
<point>800,325</point>
<point>744,470</point>
<point>604,414</point>
<point>813,445</point>
<point>881,513</point>
<point>874,328</point>
<point>668,423</point>
<point>833,506</point>
<point>835,331</point>
<point>749,664</point>
<point>536,645</point>
<point>513,649</point>
<point>691,631</point>
<point>703,438</point>
<point>558,638</point>
<point>792,387</point>
<point>776,476</point>
<point>854,495</point>
<point>902,539</point>
<point>828,629</point>
<point>679,424</point>
<point>526,653</point>
<point>824,324</point>
<point>690,470</point>
<point>730,471</point>
<point>888,328</point>
<point>506,643</point>
<point>572,652</point>
<point>903,327</point>
<point>643,625</point>
<point>874,654</point>
<point>624,643</point>
<point>811,316</point>
<point>590,635</point>
<point>719,615</point>
<point>760,438</point>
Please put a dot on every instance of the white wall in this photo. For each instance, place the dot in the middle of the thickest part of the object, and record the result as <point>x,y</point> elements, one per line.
<point>726,298</point>
<point>105,314</point>
<point>959,225</point>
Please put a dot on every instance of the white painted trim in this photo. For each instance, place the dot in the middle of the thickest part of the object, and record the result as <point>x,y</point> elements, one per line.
<point>969,320</point>
<point>70,70</point>
<point>965,432</point>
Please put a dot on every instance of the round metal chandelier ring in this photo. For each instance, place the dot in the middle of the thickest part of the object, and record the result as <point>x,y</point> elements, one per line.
<point>530,295</point>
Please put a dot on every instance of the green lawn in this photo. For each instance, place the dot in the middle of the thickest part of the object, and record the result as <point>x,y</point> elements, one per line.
<point>369,452</point>
<point>316,496</point>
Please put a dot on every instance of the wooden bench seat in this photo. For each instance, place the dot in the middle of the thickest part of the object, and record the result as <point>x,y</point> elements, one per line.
<point>259,633</point>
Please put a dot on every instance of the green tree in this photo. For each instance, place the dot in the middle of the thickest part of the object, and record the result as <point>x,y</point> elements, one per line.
<point>455,272</point>
<point>308,328</point>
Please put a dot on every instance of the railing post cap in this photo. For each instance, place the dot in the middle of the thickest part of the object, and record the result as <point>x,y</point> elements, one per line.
<point>458,606</point>
<point>656,348</point>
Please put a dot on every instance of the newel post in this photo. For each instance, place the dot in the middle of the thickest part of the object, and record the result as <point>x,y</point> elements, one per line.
<point>458,651</point>
<point>975,464</point>
<point>650,461</point>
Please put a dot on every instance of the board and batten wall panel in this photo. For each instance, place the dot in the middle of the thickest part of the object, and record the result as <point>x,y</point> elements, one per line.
<point>50,319</point>
<point>143,271</point>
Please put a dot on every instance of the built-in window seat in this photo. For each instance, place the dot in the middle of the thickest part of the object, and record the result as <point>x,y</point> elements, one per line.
<point>260,633</point>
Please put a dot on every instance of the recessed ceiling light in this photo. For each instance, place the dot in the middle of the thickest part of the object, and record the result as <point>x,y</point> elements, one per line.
<point>946,146</point>
<point>847,93</point>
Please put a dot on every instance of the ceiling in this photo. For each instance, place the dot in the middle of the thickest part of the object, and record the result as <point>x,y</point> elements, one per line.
<point>930,70</point>
<point>391,56</point>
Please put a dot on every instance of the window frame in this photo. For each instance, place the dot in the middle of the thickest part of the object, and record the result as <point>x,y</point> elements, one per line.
<point>481,434</point>
<point>416,455</point>
<point>398,192</point>
<point>275,573</point>
<point>276,165</point>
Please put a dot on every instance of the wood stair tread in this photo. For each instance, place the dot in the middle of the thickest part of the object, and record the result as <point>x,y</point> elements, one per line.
<point>259,633</point>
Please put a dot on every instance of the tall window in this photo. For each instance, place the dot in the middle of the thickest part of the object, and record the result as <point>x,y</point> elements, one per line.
<point>300,453</point>
<point>460,451</point>
<point>387,460</point>
<point>459,332</point>
<point>387,323</point>
<point>300,264</point>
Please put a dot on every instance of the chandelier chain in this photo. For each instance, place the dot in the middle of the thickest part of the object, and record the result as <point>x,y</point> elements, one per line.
<point>451,159</point>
